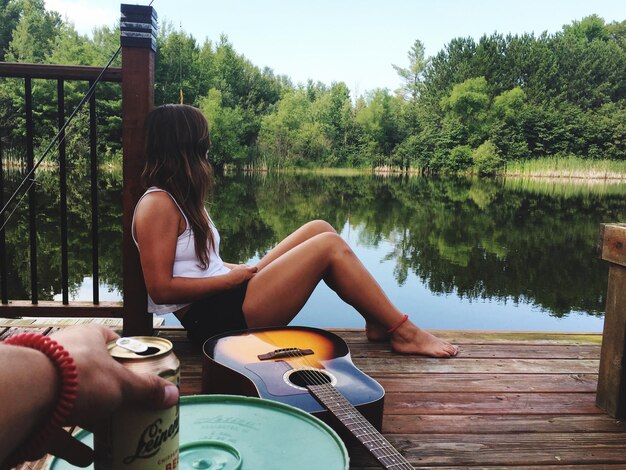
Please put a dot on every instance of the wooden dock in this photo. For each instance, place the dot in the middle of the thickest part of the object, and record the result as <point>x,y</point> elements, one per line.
<point>509,400</point>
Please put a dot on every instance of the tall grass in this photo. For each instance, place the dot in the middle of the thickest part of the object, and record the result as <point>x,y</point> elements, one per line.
<point>566,188</point>
<point>568,167</point>
<point>328,171</point>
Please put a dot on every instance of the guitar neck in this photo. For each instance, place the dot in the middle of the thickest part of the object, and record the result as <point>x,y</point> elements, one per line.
<point>361,428</point>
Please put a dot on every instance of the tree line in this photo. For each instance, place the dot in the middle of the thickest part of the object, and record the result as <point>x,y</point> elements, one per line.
<point>472,107</point>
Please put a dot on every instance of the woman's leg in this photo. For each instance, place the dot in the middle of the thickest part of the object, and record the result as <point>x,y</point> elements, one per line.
<point>374,331</point>
<point>279,290</point>
<point>308,230</point>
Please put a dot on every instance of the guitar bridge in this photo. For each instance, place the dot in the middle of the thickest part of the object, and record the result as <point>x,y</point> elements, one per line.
<point>285,352</point>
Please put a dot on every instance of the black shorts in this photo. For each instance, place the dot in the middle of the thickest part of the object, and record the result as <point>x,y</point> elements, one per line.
<point>216,314</point>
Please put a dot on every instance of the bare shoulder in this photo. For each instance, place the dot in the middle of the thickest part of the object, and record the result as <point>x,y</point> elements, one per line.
<point>157,201</point>
<point>157,208</point>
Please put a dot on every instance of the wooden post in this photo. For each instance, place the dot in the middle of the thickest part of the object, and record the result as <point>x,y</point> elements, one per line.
<point>138,41</point>
<point>611,393</point>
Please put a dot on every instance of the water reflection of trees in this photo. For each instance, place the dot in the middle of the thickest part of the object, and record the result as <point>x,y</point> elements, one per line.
<point>475,238</point>
<point>47,211</point>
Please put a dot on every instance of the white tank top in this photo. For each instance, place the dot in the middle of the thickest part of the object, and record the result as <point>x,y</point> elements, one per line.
<point>186,263</point>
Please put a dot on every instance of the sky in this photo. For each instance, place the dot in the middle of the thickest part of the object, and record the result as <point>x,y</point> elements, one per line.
<point>354,41</point>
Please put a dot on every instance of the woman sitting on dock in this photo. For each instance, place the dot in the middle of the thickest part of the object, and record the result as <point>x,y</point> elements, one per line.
<point>184,274</point>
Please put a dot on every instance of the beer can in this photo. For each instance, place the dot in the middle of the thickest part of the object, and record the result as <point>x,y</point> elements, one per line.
<point>134,438</point>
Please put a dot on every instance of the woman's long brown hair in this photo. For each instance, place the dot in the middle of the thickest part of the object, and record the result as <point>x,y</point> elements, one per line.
<point>176,146</point>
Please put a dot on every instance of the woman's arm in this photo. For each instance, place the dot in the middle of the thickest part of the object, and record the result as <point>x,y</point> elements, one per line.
<point>158,223</point>
<point>188,289</point>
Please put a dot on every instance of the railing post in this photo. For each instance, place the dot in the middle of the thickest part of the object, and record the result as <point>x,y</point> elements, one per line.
<point>138,41</point>
<point>4,295</point>
<point>611,393</point>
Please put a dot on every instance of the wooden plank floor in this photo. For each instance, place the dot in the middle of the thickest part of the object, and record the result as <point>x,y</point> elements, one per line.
<point>509,400</point>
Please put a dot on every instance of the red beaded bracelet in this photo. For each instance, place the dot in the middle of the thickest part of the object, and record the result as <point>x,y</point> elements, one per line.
<point>33,448</point>
<point>405,317</point>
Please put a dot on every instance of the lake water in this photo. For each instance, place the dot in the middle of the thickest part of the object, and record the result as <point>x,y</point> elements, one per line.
<point>452,253</point>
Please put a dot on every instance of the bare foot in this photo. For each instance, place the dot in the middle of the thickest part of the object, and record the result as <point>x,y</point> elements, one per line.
<point>410,339</point>
<point>376,332</point>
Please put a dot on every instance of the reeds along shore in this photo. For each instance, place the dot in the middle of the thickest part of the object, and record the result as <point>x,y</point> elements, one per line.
<point>550,168</point>
<point>562,168</point>
<point>568,167</point>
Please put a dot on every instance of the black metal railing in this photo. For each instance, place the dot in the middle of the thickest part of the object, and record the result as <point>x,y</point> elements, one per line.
<point>138,31</point>
<point>62,74</point>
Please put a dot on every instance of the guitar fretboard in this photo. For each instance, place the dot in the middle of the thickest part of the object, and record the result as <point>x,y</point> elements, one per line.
<point>360,427</point>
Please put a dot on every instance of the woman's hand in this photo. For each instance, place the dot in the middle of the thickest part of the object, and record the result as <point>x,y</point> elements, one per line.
<point>241,273</point>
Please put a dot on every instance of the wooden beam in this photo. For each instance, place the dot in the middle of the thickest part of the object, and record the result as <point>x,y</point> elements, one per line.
<point>59,72</point>
<point>612,243</point>
<point>24,308</point>
<point>611,393</point>
<point>137,101</point>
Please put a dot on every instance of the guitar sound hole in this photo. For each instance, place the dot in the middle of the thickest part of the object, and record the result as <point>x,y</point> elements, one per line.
<point>302,378</point>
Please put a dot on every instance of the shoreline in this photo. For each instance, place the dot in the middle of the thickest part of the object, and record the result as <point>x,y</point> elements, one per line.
<point>574,169</point>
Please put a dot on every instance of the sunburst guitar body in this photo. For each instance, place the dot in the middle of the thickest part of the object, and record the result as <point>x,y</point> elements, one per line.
<point>308,368</point>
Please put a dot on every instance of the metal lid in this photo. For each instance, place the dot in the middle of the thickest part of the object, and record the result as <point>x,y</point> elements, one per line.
<point>139,347</point>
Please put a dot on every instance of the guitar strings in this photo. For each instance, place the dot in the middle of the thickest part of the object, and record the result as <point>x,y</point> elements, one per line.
<point>317,377</point>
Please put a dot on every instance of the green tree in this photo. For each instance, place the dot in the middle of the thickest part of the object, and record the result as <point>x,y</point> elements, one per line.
<point>589,28</point>
<point>617,31</point>
<point>332,109</point>
<point>10,11</point>
<point>34,35</point>
<point>378,119</point>
<point>507,124</point>
<point>487,159</point>
<point>225,125</point>
<point>412,85</point>
<point>177,55</point>
<point>590,72</point>
<point>469,102</point>
<point>280,137</point>
<point>412,76</point>
<point>448,67</point>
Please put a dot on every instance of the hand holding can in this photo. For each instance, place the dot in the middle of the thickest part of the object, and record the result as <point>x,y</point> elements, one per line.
<point>136,438</point>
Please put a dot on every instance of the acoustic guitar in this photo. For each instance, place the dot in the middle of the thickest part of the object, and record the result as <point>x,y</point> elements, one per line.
<point>308,368</point>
